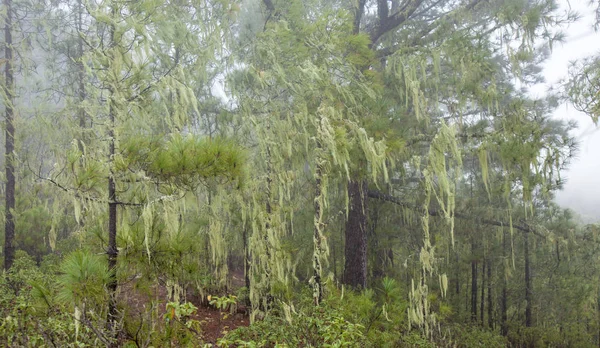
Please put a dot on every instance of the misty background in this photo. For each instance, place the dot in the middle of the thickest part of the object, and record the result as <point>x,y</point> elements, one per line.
<point>581,192</point>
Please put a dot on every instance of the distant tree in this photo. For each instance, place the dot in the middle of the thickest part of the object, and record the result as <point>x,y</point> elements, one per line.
<point>9,131</point>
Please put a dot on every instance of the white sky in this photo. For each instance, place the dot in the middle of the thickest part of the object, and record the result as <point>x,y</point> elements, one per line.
<point>582,190</point>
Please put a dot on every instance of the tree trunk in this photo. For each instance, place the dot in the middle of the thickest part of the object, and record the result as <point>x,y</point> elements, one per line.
<point>268,223</point>
<point>377,250</point>
<point>112,250</point>
<point>246,260</point>
<point>81,73</point>
<point>335,262</point>
<point>9,156</point>
<point>355,268</point>
<point>482,302</point>
<point>528,285</point>
<point>490,308</point>
<point>457,274</point>
<point>317,236</point>
<point>473,282</point>
<point>504,322</point>
<point>359,11</point>
<point>457,282</point>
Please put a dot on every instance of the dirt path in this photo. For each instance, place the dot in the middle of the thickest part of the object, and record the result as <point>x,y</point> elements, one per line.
<point>214,323</point>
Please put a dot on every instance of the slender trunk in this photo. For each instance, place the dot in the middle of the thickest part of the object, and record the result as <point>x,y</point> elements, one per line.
<point>112,250</point>
<point>358,14</point>
<point>317,237</point>
<point>268,222</point>
<point>504,320</point>
<point>81,73</point>
<point>355,268</point>
<point>81,93</point>
<point>490,308</point>
<point>9,156</point>
<point>246,259</point>
<point>457,282</point>
<point>335,273</point>
<point>482,302</point>
<point>457,274</point>
<point>528,284</point>
<point>473,281</point>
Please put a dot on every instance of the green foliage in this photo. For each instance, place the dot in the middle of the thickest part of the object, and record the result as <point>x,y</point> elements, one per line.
<point>31,315</point>
<point>313,327</point>
<point>344,319</point>
<point>583,86</point>
<point>224,303</point>
<point>469,336</point>
<point>185,160</point>
<point>83,279</point>
<point>180,329</point>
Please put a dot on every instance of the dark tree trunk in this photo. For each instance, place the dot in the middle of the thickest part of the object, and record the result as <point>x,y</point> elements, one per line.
<point>355,268</point>
<point>358,14</point>
<point>528,284</point>
<point>473,281</point>
<point>457,283</point>
<point>112,250</point>
<point>377,250</point>
<point>504,320</point>
<point>9,156</point>
<point>457,274</point>
<point>482,302</point>
<point>490,308</point>
<point>335,262</point>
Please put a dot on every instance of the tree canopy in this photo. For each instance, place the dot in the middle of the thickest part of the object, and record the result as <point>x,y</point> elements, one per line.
<point>291,173</point>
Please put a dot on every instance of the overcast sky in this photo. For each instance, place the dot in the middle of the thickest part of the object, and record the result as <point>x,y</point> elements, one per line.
<point>582,190</point>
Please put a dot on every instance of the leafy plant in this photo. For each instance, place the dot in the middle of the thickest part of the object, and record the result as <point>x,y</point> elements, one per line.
<point>223,303</point>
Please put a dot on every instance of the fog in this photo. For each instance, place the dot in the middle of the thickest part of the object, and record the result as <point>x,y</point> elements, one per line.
<point>581,192</point>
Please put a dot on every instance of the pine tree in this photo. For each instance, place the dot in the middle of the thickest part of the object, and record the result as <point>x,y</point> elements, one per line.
<point>9,124</point>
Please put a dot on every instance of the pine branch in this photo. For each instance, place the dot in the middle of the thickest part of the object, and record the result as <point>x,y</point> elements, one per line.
<point>392,22</point>
<point>403,14</point>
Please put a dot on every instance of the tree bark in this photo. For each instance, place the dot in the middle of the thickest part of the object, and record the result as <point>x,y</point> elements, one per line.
<point>473,282</point>
<point>81,73</point>
<point>112,250</point>
<point>482,302</point>
<point>504,320</point>
<point>490,308</point>
<point>317,240</point>
<point>528,284</point>
<point>355,268</point>
<point>246,259</point>
<point>377,250</point>
<point>9,156</point>
<point>457,284</point>
<point>358,14</point>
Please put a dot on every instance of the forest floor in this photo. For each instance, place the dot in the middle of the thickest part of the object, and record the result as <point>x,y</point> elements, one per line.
<point>214,323</point>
